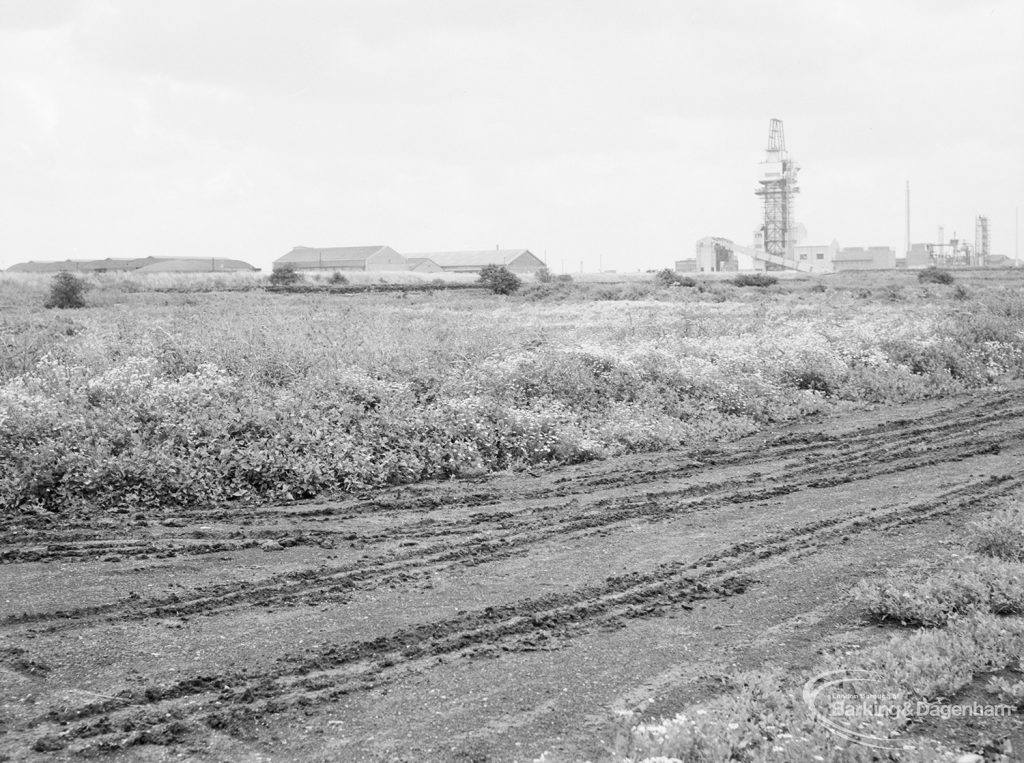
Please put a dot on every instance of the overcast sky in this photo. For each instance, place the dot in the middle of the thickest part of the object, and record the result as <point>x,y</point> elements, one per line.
<point>612,132</point>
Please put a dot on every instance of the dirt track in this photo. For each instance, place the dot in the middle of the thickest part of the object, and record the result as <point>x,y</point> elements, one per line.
<point>485,620</point>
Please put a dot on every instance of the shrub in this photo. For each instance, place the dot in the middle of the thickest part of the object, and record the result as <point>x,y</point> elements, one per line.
<point>285,275</point>
<point>668,277</point>
<point>499,279</point>
<point>67,291</point>
<point>337,278</point>
<point>754,279</point>
<point>935,275</point>
<point>544,276</point>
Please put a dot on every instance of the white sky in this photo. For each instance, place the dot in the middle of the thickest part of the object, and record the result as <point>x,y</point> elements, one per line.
<point>612,132</point>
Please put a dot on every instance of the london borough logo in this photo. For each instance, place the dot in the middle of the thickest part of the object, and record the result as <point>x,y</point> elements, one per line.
<point>863,707</point>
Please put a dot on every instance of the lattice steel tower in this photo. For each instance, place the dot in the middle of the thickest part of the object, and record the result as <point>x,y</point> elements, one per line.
<point>981,239</point>
<point>777,188</point>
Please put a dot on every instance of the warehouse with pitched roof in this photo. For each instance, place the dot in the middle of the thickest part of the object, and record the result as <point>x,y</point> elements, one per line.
<point>136,265</point>
<point>342,258</point>
<point>516,260</point>
<point>423,265</point>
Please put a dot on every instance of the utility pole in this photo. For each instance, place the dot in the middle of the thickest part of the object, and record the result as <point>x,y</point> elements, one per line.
<point>907,240</point>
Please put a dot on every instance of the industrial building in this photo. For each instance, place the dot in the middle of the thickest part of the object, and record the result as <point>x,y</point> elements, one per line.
<point>423,265</point>
<point>956,252</point>
<point>384,258</point>
<point>778,241</point>
<point>516,260</point>
<point>136,265</point>
<point>363,258</point>
<point>865,258</point>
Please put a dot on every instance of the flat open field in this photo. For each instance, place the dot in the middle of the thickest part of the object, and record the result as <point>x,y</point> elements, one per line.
<point>505,602</point>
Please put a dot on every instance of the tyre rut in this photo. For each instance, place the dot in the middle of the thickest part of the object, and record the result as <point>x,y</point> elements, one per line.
<point>325,674</point>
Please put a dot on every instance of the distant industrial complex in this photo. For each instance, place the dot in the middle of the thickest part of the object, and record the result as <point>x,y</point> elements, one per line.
<point>779,242</point>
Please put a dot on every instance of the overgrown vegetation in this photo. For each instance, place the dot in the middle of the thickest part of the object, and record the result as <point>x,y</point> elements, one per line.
<point>989,580</point>
<point>499,279</point>
<point>754,279</point>
<point>935,274</point>
<point>1000,534</point>
<point>948,590</point>
<point>201,397</point>
<point>669,277</point>
<point>67,291</point>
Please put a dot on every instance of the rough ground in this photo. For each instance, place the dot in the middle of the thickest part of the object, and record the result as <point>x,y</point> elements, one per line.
<point>483,620</point>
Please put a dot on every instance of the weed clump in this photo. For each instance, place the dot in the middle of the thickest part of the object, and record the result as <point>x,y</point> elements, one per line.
<point>67,291</point>
<point>668,277</point>
<point>754,279</point>
<point>935,275</point>
<point>286,275</point>
<point>1000,534</point>
<point>963,588</point>
<point>499,279</point>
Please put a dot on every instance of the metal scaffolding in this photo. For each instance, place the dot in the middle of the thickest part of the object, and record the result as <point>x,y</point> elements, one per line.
<point>777,189</point>
<point>981,243</point>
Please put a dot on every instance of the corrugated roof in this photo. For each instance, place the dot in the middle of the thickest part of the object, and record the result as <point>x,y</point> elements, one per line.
<point>472,259</point>
<point>195,265</point>
<point>332,253</point>
<point>107,264</point>
<point>44,267</point>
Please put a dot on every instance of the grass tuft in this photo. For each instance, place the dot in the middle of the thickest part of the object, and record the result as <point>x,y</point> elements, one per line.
<point>1000,534</point>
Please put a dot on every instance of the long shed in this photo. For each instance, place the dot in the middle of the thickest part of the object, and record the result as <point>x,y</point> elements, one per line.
<point>516,260</point>
<point>342,258</point>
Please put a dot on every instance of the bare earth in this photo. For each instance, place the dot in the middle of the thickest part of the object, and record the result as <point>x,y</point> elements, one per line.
<point>479,620</point>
